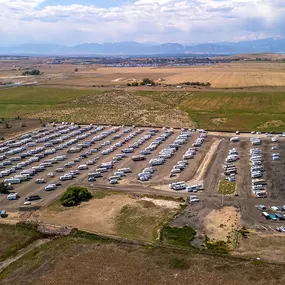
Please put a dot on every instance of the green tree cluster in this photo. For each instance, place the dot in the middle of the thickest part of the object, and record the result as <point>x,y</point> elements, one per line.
<point>31,72</point>
<point>207,84</point>
<point>147,81</point>
<point>178,236</point>
<point>74,195</point>
<point>3,188</point>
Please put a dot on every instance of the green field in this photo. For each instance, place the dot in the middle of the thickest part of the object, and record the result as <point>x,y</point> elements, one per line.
<point>227,188</point>
<point>223,110</point>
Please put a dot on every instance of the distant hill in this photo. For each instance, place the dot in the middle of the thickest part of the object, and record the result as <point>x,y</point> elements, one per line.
<point>269,45</point>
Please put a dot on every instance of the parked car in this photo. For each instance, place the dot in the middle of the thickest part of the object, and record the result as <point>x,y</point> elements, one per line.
<point>33,198</point>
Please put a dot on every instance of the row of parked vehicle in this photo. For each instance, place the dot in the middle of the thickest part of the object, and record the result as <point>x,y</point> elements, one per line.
<point>169,151</point>
<point>119,174</point>
<point>40,152</point>
<point>182,139</point>
<point>146,173</point>
<point>104,167</point>
<point>275,155</point>
<point>229,167</point>
<point>257,173</point>
<point>27,174</point>
<point>182,185</point>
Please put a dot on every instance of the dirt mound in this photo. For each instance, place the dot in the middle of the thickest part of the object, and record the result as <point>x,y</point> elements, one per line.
<point>274,123</point>
<point>219,121</point>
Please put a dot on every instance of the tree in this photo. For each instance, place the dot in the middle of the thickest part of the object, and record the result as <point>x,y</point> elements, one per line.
<point>74,195</point>
<point>3,188</point>
<point>76,69</point>
<point>135,84</point>
<point>32,72</point>
<point>147,81</point>
<point>128,84</point>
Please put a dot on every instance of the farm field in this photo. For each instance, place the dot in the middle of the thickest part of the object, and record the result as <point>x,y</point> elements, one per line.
<point>107,263</point>
<point>224,75</point>
<point>211,110</point>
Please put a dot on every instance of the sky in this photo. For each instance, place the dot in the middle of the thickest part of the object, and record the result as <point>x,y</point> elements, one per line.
<point>71,22</point>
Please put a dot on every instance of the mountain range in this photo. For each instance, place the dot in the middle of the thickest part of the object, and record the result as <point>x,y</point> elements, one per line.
<point>269,45</point>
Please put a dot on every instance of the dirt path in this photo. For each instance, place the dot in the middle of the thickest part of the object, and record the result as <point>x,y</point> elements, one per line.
<point>4,264</point>
<point>200,174</point>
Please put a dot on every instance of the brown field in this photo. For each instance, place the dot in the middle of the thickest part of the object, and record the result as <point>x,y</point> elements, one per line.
<point>226,75</point>
<point>81,261</point>
<point>17,127</point>
<point>266,246</point>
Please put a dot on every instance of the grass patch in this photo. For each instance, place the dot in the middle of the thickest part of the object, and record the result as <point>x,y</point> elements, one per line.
<point>167,198</point>
<point>178,263</point>
<point>56,206</point>
<point>227,188</point>
<point>146,204</point>
<point>244,111</point>
<point>14,237</point>
<point>178,236</point>
<point>219,247</point>
<point>100,194</point>
<point>141,221</point>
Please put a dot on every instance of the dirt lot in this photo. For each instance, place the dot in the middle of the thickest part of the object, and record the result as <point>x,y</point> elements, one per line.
<point>57,262</point>
<point>117,214</point>
<point>13,128</point>
<point>220,223</point>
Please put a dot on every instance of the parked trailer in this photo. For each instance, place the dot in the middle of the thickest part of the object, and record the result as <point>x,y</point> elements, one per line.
<point>266,215</point>
<point>13,181</point>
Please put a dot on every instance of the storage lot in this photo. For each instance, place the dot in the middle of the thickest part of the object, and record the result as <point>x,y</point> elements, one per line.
<point>78,153</point>
<point>71,158</point>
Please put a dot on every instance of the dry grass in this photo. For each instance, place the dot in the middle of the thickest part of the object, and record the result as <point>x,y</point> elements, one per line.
<point>14,238</point>
<point>79,261</point>
<point>266,246</point>
<point>226,75</point>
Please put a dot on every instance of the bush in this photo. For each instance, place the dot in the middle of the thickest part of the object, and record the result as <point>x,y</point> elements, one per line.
<point>179,236</point>
<point>3,188</point>
<point>178,263</point>
<point>75,195</point>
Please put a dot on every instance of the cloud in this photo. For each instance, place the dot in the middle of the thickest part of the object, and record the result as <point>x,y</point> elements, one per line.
<point>184,21</point>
